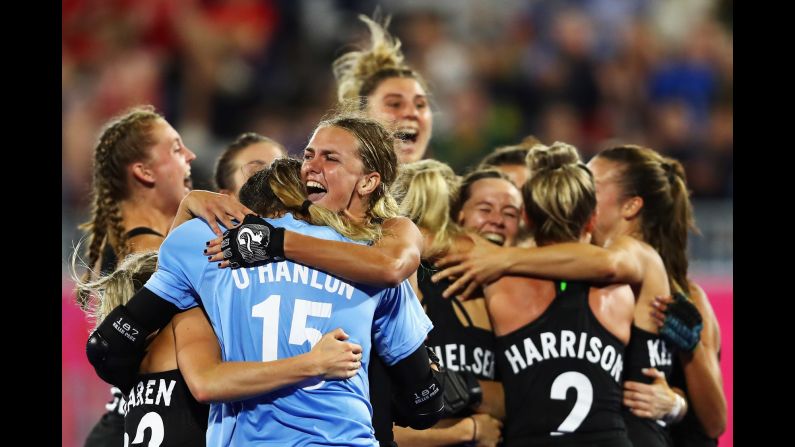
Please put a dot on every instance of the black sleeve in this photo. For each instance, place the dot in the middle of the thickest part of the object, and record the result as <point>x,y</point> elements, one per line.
<point>151,311</point>
<point>418,392</point>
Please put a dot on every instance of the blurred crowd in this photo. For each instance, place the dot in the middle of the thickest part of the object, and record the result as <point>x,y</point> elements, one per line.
<point>588,72</point>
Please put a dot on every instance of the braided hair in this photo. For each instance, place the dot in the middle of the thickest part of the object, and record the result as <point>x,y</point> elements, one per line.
<point>124,140</point>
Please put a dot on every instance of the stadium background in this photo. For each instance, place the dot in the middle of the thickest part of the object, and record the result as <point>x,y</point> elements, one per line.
<point>588,72</point>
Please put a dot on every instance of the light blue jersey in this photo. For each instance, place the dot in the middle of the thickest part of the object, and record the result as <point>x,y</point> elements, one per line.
<point>281,310</point>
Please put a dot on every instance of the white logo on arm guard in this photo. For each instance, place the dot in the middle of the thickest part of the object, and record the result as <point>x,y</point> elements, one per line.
<point>125,328</point>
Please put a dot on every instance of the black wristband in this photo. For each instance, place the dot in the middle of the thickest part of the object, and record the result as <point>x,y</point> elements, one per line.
<point>277,243</point>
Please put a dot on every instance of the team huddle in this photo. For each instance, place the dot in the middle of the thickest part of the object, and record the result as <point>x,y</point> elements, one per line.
<point>364,295</point>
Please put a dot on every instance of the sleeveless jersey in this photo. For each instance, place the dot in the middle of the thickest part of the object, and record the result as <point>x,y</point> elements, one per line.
<point>109,258</point>
<point>646,350</point>
<point>161,411</point>
<point>458,347</point>
<point>281,310</point>
<point>562,375</point>
<point>109,430</point>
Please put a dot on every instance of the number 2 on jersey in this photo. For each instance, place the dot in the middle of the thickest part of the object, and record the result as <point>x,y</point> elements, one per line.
<point>580,382</point>
<point>152,421</point>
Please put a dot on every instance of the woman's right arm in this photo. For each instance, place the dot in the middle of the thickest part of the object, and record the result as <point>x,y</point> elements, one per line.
<point>620,262</point>
<point>211,380</point>
<point>386,263</point>
<point>212,208</point>
<point>483,428</point>
<point>702,370</point>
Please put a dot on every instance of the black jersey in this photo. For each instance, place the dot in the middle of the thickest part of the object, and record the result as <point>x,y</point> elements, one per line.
<point>109,258</point>
<point>458,346</point>
<point>562,376</point>
<point>646,350</point>
<point>109,430</point>
<point>688,432</point>
<point>161,411</point>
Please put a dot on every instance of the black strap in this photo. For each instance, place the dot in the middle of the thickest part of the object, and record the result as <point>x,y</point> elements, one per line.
<point>432,295</point>
<point>139,231</point>
<point>109,258</point>
<point>460,306</point>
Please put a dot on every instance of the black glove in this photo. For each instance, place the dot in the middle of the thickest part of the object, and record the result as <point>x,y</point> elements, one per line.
<point>683,324</point>
<point>462,392</point>
<point>254,242</point>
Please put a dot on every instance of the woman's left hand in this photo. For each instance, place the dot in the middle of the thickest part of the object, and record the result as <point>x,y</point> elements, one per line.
<point>212,208</point>
<point>482,265</point>
<point>652,401</point>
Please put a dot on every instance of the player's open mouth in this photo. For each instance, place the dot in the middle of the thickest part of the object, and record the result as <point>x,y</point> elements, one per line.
<point>494,238</point>
<point>315,191</point>
<point>407,135</point>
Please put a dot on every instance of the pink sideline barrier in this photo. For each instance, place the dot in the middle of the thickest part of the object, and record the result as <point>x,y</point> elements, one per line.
<point>84,394</point>
<point>721,295</point>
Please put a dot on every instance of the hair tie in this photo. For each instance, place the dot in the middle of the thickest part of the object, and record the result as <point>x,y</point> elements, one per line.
<point>305,207</point>
<point>670,171</point>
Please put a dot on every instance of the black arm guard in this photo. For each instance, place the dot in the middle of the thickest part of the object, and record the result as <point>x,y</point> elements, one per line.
<point>683,324</point>
<point>255,242</point>
<point>418,397</point>
<point>116,347</point>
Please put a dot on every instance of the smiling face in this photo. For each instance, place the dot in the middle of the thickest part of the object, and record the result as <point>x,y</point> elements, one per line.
<point>402,104</point>
<point>332,168</point>
<point>492,210</point>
